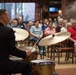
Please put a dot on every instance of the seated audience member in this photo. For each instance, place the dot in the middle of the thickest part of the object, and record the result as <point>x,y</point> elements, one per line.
<point>45,24</point>
<point>50,20</point>
<point>7,48</point>
<point>20,23</point>
<point>28,26</point>
<point>60,25</point>
<point>57,21</point>
<point>36,34</point>
<point>72,38</point>
<point>40,23</point>
<point>71,20</point>
<point>15,24</point>
<point>64,28</point>
<point>49,30</point>
<point>68,24</point>
<point>10,24</point>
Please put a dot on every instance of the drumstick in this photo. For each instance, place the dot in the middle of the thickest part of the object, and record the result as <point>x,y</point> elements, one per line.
<point>35,43</point>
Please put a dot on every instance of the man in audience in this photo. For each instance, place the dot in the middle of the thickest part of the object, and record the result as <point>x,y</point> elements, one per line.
<point>72,30</point>
<point>20,23</point>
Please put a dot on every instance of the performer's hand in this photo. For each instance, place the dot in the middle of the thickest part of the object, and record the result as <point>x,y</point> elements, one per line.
<point>28,52</point>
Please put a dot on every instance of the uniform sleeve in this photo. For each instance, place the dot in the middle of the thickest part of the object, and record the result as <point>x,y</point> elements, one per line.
<point>11,46</point>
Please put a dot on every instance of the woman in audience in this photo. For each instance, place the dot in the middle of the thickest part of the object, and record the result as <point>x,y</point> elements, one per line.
<point>50,29</point>
<point>36,35</point>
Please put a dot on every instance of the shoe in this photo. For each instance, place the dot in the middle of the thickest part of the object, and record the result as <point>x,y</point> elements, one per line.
<point>44,51</point>
<point>41,52</point>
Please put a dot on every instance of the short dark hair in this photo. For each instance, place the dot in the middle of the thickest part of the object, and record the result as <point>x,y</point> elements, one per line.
<point>36,21</point>
<point>2,11</point>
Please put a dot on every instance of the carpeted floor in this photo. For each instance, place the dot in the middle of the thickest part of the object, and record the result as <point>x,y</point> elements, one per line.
<point>66,71</point>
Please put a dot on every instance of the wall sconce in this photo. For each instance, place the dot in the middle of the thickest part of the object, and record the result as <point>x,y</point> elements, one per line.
<point>60,12</point>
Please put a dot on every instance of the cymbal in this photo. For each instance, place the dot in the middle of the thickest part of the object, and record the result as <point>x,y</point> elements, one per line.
<point>20,34</point>
<point>54,39</point>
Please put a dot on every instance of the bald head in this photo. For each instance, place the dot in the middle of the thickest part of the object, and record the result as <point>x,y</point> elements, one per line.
<point>2,11</point>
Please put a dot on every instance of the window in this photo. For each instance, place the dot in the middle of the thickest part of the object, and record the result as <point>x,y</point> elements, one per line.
<point>25,10</point>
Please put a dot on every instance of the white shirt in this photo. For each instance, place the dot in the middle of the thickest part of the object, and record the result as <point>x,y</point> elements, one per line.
<point>63,29</point>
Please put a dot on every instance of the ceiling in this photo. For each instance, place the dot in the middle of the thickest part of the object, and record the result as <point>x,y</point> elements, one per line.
<point>50,3</point>
<point>56,3</point>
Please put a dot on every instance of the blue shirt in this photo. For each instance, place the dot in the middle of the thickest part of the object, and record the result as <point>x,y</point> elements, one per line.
<point>44,27</point>
<point>35,31</point>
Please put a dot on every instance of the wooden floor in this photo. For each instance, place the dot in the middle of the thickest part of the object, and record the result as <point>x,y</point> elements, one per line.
<point>63,64</point>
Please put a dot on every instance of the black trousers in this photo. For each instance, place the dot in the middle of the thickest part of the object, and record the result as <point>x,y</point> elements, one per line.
<point>12,67</point>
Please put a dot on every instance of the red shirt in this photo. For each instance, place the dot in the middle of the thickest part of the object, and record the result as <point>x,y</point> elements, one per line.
<point>73,32</point>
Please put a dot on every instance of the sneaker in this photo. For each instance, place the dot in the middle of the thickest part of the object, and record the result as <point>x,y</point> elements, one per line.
<point>45,51</point>
<point>41,52</point>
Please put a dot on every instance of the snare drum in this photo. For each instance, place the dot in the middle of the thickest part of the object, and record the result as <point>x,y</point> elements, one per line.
<point>33,55</point>
<point>42,67</point>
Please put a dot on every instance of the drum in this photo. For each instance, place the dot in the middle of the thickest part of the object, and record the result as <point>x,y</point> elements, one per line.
<point>42,67</point>
<point>33,55</point>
